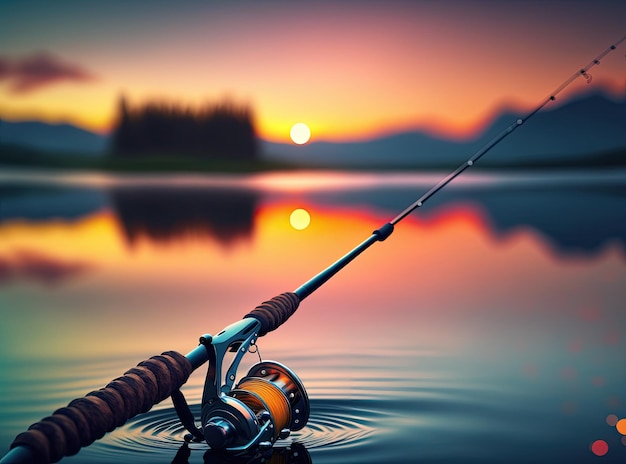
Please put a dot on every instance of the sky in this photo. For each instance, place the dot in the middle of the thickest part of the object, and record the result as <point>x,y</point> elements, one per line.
<point>350,70</point>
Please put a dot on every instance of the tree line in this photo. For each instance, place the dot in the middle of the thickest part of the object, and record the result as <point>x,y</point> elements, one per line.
<point>218,131</point>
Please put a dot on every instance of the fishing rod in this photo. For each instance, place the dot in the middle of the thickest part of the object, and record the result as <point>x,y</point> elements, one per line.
<point>236,419</point>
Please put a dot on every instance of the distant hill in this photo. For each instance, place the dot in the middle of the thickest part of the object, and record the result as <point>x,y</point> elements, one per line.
<point>571,132</point>
<point>54,138</point>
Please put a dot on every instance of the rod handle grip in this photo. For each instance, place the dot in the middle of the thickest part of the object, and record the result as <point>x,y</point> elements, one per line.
<point>87,419</point>
<point>275,312</point>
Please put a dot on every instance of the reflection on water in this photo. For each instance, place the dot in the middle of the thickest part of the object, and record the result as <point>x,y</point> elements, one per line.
<point>294,453</point>
<point>489,327</point>
<point>29,265</point>
<point>575,220</point>
<point>575,213</point>
<point>165,214</point>
<point>160,213</point>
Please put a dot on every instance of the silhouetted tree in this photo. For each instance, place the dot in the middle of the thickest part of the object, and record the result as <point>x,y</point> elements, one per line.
<point>219,131</point>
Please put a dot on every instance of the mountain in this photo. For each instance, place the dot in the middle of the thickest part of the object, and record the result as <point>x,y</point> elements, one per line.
<point>571,132</point>
<point>54,138</point>
<point>409,148</point>
<point>574,130</point>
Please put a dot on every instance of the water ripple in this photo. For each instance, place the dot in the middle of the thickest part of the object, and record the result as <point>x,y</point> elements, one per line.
<point>332,424</point>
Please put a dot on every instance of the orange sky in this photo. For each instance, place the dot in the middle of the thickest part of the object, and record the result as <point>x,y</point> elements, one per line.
<point>348,69</point>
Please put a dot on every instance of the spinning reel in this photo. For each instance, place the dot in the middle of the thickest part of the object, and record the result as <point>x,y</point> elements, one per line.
<point>266,405</point>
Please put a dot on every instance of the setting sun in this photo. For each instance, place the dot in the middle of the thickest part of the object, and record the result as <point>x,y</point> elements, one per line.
<point>300,133</point>
<point>300,219</point>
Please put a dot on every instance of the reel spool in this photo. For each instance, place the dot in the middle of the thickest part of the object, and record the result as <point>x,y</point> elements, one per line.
<point>266,405</point>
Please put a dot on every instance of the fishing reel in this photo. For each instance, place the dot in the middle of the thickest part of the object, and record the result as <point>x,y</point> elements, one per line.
<point>264,406</point>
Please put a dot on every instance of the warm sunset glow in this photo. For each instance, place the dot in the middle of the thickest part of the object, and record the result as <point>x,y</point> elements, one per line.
<point>300,219</point>
<point>93,238</point>
<point>302,69</point>
<point>300,133</point>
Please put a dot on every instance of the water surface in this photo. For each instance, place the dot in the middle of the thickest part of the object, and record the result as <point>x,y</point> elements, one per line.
<point>488,328</point>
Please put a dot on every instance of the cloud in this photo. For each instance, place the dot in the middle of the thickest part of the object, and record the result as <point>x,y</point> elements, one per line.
<point>33,72</point>
<point>33,266</point>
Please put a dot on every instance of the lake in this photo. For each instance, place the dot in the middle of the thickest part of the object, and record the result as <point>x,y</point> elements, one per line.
<point>490,327</point>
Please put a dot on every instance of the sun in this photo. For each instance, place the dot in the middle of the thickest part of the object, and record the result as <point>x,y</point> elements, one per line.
<point>300,133</point>
<point>300,219</point>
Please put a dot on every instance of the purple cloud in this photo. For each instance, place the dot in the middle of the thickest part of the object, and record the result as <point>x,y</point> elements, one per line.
<point>30,265</point>
<point>38,70</point>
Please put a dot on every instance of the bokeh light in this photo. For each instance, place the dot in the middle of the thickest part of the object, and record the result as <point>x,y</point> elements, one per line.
<point>612,419</point>
<point>598,381</point>
<point>621,426</point>
<point>300,133</point>
<point>300,219</point>
<point>599,447</point>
